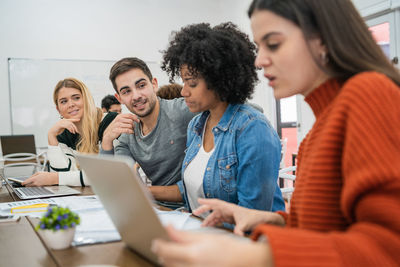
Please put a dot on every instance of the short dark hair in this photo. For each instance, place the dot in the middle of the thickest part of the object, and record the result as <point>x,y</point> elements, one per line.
<point>108,101</point>
<point>351,48</point>
<point>223,56</point>
<point>126,64</point>
<point>170,91</point>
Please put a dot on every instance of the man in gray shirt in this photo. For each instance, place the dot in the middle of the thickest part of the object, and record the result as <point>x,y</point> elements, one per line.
<point>154,133</point>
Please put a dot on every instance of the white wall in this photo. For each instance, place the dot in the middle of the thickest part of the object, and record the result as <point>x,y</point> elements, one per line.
<point>104,30</point>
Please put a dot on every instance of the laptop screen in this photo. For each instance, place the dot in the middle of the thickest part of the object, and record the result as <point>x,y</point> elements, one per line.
<point>17,144</point>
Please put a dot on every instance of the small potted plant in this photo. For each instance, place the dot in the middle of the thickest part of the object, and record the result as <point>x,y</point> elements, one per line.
<point>57,227</point>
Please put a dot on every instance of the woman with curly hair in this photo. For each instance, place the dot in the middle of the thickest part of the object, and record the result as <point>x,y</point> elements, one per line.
<point>233,152</point>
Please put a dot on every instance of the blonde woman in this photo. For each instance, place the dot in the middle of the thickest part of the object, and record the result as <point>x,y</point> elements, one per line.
<point>80,129</point>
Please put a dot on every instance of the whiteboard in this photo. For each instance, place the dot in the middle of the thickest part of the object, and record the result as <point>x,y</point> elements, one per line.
<point>31,85</point>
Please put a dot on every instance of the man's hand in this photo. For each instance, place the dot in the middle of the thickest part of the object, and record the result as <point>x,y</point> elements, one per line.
<point>123,123</point>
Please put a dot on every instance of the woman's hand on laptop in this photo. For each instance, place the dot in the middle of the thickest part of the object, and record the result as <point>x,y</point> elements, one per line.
<point>42,179</point>
<point>200,249</point>
<point>244,219</point>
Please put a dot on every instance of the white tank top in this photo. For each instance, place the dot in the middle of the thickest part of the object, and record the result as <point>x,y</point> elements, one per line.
<point>194,175</point>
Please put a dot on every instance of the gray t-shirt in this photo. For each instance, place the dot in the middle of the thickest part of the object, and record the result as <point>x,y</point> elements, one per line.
<point>160,153</point>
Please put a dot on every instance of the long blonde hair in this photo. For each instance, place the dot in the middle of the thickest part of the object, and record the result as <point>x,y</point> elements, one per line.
<point>88,141</point>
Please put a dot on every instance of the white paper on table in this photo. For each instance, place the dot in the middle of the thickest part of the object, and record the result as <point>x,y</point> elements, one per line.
<point>79,203</point>
<point>95,227</point>
<point>180,220</point>
<point>5,208</point>
<point>9,205</point>
<point>74,203</point>
<point>95,221</point>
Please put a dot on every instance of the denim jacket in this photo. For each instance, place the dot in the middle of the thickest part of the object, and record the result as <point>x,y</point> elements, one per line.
<point>243,169</point>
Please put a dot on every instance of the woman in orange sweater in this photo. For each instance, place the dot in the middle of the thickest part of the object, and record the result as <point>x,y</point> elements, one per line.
<point>345,210</point>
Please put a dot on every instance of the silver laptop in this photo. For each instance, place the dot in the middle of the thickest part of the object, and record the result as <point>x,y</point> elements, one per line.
<point>41,191</point>
<point>126,200</point>
<point>44,191</point>
<point>16,175</point>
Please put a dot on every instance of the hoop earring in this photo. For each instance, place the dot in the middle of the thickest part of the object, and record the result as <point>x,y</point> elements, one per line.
<point>324,58</point>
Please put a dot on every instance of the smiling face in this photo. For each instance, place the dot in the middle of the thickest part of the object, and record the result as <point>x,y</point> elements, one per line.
<point>70,103</point>
<point>197,96</point>
<point>137,92</point>
<point>285,56</point>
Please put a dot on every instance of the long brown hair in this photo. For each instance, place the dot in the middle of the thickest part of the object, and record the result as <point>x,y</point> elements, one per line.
<point>351,47</point>
<point>88,141</point>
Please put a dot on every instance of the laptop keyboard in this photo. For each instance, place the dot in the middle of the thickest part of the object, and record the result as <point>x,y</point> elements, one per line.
<point>34,191</point>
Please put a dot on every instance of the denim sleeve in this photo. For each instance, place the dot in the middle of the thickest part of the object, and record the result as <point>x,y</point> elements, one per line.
<point>182,191</point>
<point>189,138</point>
<point>189,132</point>
<point>258,150</point>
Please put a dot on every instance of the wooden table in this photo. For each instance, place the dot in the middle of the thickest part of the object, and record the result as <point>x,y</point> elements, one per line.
<point>21,245</point>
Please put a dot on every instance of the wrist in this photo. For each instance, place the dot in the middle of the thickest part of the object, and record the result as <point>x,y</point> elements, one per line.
<point>52,139</point>
<point>107,144</point>
<point>281,218</point>
<point>52,132</point>
<point>154,190</point>
<point>166,193</point>
<point>56,178</point>
<point>269,217</point>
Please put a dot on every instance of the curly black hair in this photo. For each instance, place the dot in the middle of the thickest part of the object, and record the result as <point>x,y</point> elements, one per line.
<point>223,56</point>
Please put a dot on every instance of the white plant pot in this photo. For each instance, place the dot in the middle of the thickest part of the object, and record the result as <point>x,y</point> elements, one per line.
<point>60,239</point>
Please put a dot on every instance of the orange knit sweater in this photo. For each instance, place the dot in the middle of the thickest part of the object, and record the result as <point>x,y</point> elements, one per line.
<point>345,210</point>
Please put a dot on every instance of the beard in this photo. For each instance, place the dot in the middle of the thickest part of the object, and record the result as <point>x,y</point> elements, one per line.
<point>145,112</point>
